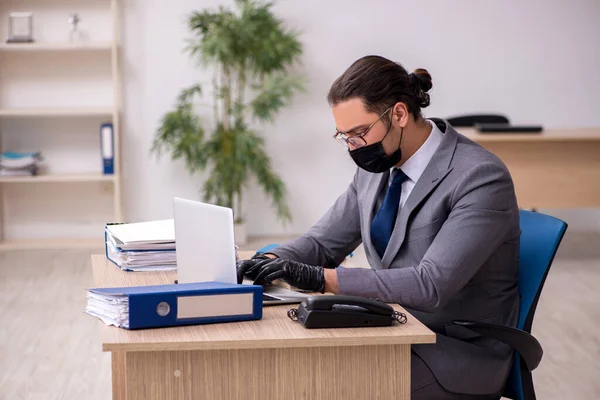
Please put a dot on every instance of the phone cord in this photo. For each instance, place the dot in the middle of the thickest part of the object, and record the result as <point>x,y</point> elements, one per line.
<point>293,314</point>
<point>400,317</point>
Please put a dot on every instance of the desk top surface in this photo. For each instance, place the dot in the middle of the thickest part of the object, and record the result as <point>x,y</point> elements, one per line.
<point>274,330</point>
<point>547,135</point>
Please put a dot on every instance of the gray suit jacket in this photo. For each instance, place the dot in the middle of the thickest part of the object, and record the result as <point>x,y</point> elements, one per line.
<point>453,254</point>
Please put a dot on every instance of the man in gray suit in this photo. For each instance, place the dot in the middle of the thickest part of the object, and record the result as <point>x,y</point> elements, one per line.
<point>438,218</point>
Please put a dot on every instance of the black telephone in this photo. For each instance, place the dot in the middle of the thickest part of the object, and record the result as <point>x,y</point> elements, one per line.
<point>337,311</point>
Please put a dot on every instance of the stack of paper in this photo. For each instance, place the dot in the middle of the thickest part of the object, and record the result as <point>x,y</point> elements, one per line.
<point>19,164</point>
<point>142,246</point>
<point>111,309</point>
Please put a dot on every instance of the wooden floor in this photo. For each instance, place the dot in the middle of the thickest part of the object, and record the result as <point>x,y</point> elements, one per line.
<point>49,348</point>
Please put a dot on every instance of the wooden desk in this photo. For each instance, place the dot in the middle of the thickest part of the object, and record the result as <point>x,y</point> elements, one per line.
<point>558,168</point>
<point>273,358</point>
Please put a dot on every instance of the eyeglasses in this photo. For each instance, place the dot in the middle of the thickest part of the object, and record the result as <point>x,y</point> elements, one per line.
<point>357,140</point>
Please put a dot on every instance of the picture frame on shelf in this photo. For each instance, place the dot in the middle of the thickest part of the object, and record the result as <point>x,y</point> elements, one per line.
<point>20,27</point>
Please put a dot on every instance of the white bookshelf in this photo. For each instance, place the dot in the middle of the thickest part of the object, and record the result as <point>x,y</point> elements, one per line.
<point>39,47</point>
<point>57,112</point>
<point>55,94</point>
<point>58,178</point>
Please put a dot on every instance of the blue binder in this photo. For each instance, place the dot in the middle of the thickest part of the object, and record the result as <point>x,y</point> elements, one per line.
<point>108,148</point>
<point>178,304</point>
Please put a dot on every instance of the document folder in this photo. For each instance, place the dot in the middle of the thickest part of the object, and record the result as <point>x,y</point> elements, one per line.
<point>141,307</point>
<point>146,235</point>
<point>141,246</point>
<point>139,260</point>
<point>108,148</point>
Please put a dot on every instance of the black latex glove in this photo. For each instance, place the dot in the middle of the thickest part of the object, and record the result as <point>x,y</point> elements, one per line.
<point>302,276</point>
<point>251,267</point>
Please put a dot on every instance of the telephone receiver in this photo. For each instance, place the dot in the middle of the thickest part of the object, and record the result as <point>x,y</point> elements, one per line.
<point>339,311</point>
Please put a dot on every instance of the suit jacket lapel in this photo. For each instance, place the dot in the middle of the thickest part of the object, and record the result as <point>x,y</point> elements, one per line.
<point>374,189</point>
<point>434,173</point>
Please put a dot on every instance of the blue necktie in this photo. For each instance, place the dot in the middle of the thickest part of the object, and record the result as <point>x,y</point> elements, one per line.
<point>383,223</point>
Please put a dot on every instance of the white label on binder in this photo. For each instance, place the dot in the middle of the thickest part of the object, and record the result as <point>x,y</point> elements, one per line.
<point>106,142</point>
<point>219,305</point>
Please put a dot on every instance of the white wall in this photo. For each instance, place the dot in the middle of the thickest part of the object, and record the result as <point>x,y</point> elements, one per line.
<point>536,61</point>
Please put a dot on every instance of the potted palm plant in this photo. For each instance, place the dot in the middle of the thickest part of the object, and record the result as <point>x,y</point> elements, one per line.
<point>250,55</point>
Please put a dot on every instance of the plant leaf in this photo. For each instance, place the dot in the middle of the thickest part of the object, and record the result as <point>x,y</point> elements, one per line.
<point>276,93</point>
<point>270,47</point>
<point>186,95</point>
<point>257,161</point>
<point>181,132</point>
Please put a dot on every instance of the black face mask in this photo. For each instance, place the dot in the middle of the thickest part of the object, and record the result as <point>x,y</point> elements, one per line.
<point>372,157</point>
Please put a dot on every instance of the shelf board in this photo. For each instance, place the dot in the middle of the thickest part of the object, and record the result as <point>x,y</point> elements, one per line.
<point>58,46</point>
<point>57,112</point>
<point>92,177</point>
<point>52,244</point>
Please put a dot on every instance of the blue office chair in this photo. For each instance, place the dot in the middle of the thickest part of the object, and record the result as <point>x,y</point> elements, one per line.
<point>540,237</point>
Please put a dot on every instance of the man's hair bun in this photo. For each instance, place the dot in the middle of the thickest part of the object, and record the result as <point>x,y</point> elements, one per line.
<point>422,84</point>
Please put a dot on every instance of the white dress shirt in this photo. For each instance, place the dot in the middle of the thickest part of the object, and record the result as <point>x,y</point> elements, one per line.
<point>415,165</point>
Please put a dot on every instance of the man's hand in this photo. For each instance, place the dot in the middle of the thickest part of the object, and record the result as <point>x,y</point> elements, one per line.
<point>251,267</point>
<point>302,276</point>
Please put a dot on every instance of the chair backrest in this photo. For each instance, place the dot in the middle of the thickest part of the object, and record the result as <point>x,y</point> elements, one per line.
<point>471,120</point>
<point>541,236</point>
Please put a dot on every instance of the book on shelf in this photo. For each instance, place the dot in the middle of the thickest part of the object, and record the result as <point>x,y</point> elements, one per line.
<point>19,163</point>
<point>27,171</point>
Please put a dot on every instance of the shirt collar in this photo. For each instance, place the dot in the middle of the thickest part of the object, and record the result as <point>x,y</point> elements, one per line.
<point>415,165</point>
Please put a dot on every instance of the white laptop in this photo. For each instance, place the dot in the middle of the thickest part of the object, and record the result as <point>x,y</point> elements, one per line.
<point>205,248</point>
